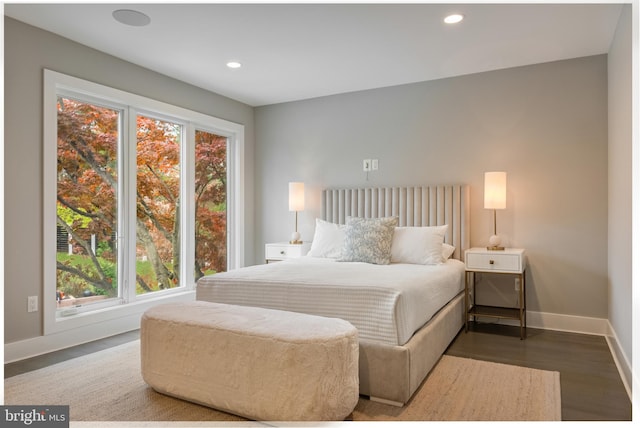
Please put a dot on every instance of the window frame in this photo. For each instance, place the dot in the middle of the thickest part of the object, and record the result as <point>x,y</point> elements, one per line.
<point>58,84</point>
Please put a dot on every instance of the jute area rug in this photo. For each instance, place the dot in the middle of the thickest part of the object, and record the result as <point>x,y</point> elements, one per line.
<point>107,386</point>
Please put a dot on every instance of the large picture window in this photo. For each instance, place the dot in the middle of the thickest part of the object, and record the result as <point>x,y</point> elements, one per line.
<point>139,199</point>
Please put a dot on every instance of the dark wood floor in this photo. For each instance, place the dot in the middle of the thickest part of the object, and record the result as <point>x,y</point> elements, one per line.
<point>591,386</point>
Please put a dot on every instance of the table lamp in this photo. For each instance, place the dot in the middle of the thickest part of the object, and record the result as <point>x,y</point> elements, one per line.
<point>495,198</point>
<point>296,203</point>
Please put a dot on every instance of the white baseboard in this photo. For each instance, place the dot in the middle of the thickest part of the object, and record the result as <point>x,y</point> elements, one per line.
<point>16,351</point>
<point>621,360</point>
<point>126,321</point>
<point>560,322</point>
<point>569,323</point>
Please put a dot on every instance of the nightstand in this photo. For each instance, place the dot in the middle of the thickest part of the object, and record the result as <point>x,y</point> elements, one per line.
<point>283,250</point>
<point>510,261</point>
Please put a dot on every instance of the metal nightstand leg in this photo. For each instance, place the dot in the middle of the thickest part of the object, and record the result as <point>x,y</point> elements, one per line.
<point>523,307</point>
<point>466,301</point>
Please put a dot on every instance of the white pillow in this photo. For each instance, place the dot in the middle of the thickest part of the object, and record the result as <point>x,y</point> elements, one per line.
<point>418,245</point>
<point>328,240</point>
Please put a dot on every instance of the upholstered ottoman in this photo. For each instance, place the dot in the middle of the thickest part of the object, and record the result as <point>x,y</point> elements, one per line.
<point>261,364</point>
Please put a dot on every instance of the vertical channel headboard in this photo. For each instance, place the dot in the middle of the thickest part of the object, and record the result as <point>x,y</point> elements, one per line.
<point>413,205</point>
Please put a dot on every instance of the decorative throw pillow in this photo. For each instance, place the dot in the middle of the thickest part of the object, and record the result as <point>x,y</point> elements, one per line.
<point>418,245</point>
<point>447,251</point>
<point>328,240</point>
<point>368,240</point>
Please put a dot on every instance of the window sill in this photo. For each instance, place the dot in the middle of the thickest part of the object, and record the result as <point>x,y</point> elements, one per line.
<point>117,312</point>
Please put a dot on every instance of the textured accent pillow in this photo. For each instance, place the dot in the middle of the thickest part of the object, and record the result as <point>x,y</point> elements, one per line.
<point>418,245</point>
<point>368,240</point>
<point>328,240</point>
<point>447,251</point>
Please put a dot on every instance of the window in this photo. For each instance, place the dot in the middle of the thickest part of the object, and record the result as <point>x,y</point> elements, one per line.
<point>210,203</point>
<point>158,256</point>
<point>88,137</point>
<point>139,200</point>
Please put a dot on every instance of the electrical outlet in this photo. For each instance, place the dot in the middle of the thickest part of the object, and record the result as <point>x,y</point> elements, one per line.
<point>517,284</point>
<point>366,165</point>
<point>32,304</point>
<point>374,164</point>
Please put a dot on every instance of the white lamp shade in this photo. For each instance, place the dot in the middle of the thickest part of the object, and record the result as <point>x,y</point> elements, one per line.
<point>296,196</point>
<point>495,190</point>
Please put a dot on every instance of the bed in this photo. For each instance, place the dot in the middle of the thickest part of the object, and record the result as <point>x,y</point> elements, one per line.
<point>407,305</point>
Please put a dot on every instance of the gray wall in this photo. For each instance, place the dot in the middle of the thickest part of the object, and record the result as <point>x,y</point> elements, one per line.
<point>27,51</point>
<point>620,191</point>
<point>545,124</point>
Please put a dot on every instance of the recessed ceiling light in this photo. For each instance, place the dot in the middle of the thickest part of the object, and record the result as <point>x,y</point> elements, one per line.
<point>131,17</point>
<point>234,64</point>
<point>454,18</point>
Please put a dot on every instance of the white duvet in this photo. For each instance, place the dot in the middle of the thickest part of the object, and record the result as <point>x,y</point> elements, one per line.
<point>386,303</point>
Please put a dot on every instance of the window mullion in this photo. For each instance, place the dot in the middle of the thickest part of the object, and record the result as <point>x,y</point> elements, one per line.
<point>187,207</point>
<point>129,214</point>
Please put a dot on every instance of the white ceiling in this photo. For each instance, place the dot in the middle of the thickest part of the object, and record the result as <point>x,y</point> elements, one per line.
<point>299,51</point>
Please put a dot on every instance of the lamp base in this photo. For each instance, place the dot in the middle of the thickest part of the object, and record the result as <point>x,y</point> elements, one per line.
<point>494,243</point>
<point>295,238</point>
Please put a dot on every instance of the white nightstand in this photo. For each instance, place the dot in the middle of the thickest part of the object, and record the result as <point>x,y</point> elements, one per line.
<point>283,250</point>
<point>509,261</point>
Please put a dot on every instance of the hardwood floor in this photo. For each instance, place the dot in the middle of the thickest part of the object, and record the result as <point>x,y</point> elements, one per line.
<point>591,386</point>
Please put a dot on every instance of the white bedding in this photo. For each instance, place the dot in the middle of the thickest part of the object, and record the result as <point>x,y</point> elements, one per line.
<point>386,303</point>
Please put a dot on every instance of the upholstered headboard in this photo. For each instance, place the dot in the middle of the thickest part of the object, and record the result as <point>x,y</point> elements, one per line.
<point>413,205</point>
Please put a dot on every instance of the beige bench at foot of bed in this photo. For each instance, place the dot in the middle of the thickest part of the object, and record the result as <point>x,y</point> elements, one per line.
<point>257,363</point>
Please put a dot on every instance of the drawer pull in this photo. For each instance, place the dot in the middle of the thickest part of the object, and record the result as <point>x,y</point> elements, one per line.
<point>282,252</point>
<point>491,262</point>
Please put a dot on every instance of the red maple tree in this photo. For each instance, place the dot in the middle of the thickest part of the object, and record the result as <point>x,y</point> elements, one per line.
<point>88,137</point>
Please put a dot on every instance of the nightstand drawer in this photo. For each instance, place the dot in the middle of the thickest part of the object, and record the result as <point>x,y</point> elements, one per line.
<point>495,262</point>
<point>281,251</point>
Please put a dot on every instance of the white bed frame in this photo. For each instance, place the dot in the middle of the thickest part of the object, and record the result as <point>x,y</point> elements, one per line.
<point>391,374</point>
